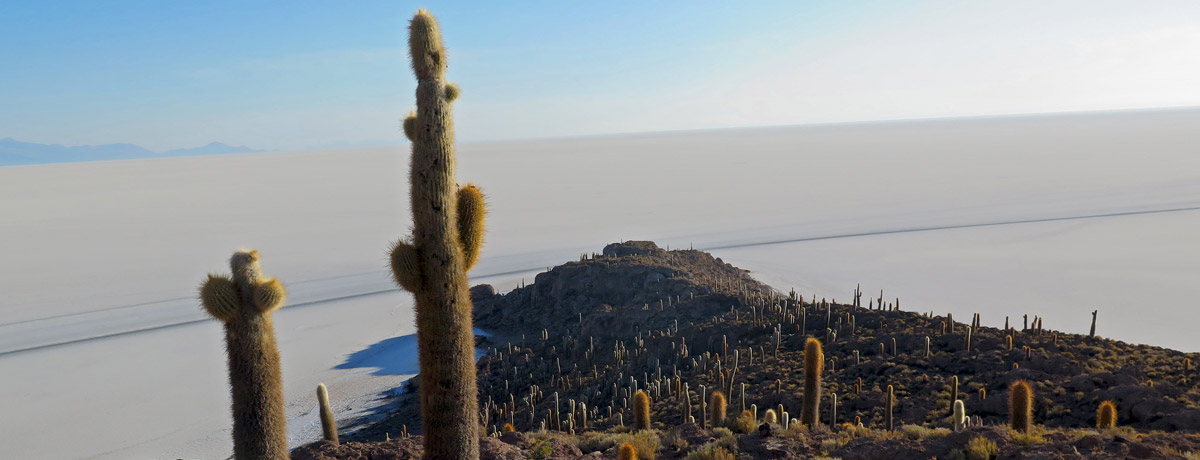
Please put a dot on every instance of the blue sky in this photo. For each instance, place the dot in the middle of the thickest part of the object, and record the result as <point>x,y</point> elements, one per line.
<point>300,74</point>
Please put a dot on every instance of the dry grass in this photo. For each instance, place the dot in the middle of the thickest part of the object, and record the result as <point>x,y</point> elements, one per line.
<point>980,448</point>
<point>645,442</point>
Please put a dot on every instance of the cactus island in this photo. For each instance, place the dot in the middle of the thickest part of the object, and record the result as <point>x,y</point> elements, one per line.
<point>639,352</point>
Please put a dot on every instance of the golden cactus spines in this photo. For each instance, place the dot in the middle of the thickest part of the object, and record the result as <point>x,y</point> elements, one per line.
<point>717,408</point>
<point>769,417</point>
<point>328,422</point>
<point>405,266</point>
<point>244,303</point>
<point>626,452</point>
<point>1020,405</point>
<point>641,410</point>
<point>410,125</point>
<point>1106,415</point>
<point>269,295</point>
<point>814,362</point>
<point>471,215</point>
<point>219,297</point>
<point>432,264</point>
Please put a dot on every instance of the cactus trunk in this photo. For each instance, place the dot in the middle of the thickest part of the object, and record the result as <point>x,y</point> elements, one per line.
<point>814,360</point>
<point>1020,405</point>
<point>434,265</point>
<point>328,422</point>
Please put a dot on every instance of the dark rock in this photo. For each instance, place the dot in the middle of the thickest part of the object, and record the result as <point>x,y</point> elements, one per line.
<point>482,291</point>
<point>629,248</point>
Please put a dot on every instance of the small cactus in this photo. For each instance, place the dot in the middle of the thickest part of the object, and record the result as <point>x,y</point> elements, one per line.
<point>641,411</point>
<point>328,423</point>
<point>717,407</point>
<point>1092,331</point>
<point>244,304</point>
<point>1020,406</point>
<point>1106,415</point>
<point>960,415</point>
<point>891,405</point>
<point>769,417</point>
<point>626,452</point>
<point>954,390</point>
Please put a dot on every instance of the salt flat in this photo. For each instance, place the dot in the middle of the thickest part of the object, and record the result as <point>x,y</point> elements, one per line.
<point>1050,215</point>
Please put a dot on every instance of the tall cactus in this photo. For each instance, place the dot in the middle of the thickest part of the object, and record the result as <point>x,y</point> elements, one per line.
<point>244,304</point>
<point>814,361</point>
<point>447,235</point>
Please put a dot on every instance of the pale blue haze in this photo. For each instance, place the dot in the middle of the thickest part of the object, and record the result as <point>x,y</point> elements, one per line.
<point>303,74</point>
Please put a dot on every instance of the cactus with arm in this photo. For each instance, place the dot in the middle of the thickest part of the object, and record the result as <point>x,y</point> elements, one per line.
<point>244,304</point>
<point>447,236</point>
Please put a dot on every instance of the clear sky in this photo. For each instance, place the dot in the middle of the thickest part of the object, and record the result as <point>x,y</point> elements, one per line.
<point>321,74</point>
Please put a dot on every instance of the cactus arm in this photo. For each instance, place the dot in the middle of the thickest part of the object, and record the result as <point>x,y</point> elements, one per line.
<point>269,295</point>
<point>406,266</point>
<point>471,214</point>
<point>219,297</point>
<point>410,126</point>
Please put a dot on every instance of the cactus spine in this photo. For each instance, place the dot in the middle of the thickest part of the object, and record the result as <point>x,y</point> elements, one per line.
<point>244,303</point>
<point>328,423</point>
<point>717,407</point>
<point>447,235</point>
<point>1106,415</point>
<point>1020,405</point>
<point>641,411</point>
<point>814,360</point>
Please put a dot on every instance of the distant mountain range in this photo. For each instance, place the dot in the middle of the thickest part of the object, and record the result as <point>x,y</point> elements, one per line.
<point>14,152</point>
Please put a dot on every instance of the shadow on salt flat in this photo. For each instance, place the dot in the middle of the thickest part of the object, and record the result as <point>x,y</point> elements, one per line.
<point>393,356</point>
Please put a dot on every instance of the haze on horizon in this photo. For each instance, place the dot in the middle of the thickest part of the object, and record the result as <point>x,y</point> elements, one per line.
<point>273,75</point>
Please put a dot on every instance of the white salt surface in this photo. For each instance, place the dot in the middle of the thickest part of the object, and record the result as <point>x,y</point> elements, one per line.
<point>103,344</point>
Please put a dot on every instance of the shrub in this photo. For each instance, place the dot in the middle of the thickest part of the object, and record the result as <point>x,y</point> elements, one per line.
<point>1028,438</point>
<point>710,452</point>
<point>725,438</point>
<point>645,442</point>
<point>745,423</point>
<point>920,433</point>
<point>980,448</point>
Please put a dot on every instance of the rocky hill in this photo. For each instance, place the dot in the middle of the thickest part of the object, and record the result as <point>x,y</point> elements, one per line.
<point>572,348</point>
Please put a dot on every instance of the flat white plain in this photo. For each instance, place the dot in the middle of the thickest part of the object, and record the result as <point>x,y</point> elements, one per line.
<point>102,341</point>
